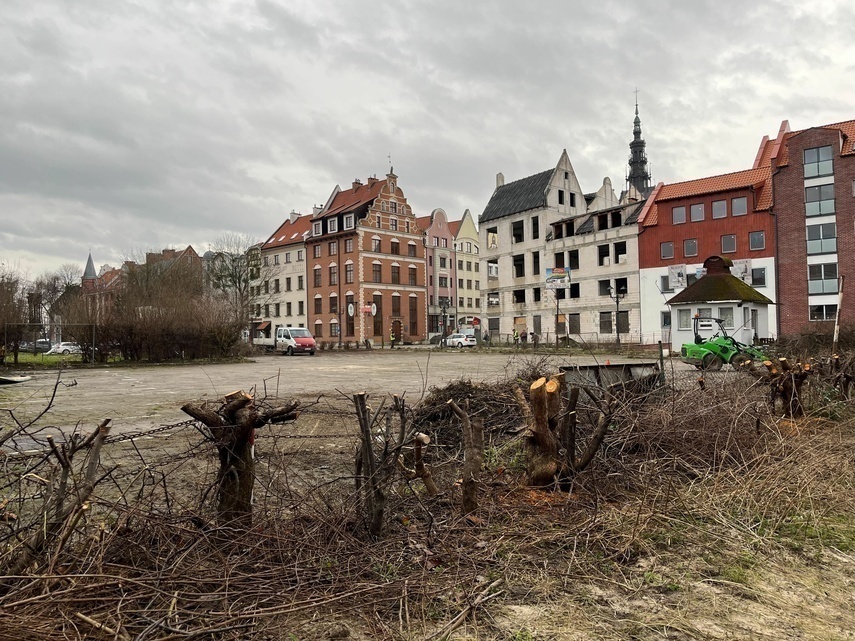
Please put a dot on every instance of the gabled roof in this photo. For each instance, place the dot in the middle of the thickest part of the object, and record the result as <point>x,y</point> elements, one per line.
<point>454,226</point>
<point>757,178</point>
<point>289,233</point>
<point>719,285</point>
<point>585,222</point>
<point>847,129</point>
<point>351,200</point>
<point>521,195</point>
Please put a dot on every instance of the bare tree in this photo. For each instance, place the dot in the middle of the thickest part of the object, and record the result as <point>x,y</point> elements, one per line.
<point>231,272</point>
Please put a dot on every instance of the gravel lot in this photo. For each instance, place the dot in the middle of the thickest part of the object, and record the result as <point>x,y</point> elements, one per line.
<point>142,397</point>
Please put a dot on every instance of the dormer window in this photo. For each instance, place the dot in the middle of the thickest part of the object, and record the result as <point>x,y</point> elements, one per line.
<point>332,225</point>
<point>317,228</point>
<point>348,221</point>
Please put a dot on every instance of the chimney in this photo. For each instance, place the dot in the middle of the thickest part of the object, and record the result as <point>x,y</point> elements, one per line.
<point>293,216</point>
<point>372,180</point>
<point>356,183</point>
<point>316,209</point>
<point>500,180</point>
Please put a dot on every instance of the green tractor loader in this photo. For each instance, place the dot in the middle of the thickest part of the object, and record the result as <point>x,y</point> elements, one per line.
<point>721,348</point>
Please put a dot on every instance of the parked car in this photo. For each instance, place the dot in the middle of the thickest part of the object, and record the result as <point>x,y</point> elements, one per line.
<point>461,340</point>
<point>294,340</point>
<point>40,346</point>
<point>65,348</point>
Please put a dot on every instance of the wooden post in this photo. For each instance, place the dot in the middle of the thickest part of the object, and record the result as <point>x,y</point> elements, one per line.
<point>473,448</point>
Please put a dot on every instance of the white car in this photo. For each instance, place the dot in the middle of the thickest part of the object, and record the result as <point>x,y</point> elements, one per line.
<point>461,340</point>
<point>65,348</point>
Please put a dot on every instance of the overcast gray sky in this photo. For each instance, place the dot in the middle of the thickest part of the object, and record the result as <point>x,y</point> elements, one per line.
<point>133,126</point>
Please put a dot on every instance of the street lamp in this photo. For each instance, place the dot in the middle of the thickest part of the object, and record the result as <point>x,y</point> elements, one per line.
<point>443,308</point>
<point>617,295</point>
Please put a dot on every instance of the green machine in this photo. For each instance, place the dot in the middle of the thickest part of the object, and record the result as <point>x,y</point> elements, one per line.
<point>721,348</point>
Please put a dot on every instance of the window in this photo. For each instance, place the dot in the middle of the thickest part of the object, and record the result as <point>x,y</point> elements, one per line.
<point>378,319</point>
<point>719,209</point>
<point>477,285</point>
<point>665,320</point>
<point>348,273</point>
<point>758,277</point>
<point>276,259</point>
<point>468,265</point>
<point>333,248</point>
<point>333,275</point>
<point>517,232</point>
<point>535,227</point>
<point>559,259</point>
<point>818,162</point>
<point>460,283</point>
<point>411,249</point>
<point>603,255</point>
<point>623,322</point>
<point>726,316</point>
<point>319,328</point>
<point>393,225</point>
<point>288,284</point>
<point>349,321</point>
<point>574,324</point>
<point>287,309</point>
<point>333,328</point>
<point>822,279</point>
<point>665,284</point>
<point>560,196</point>
<point>412,275</point>
<point>460,302</point>
<point>728,244</point>
<point>574,290</point>
<point>299,282</point>
<point>396,275</point>
<point>822,239</point>
<point>443,262</point>
<point>375,245</point>
<point>690,247</point>
<point>395,248</point>
<point>536,291</point>
<point>605,322</point>
<point>684,319</point>
<point>317,275</point>
<point>443,281</point>
<point>620,252</point>
<point>333,304</point>
<point>819,201</point>
<point>823,312</point>
<point>757,240</point>
<point>469,248</point>
<point>666,250</point>
<point>468,283</point>
<point>622,285</point>
<point>460,265</point>
<point>396,305</point>
<point>267,310</point>
<point>332,225</point>
<point>536,297</point>
<point>275,285</point>
<point>518,296</point>
<point>393,207</point>
<point>348,246</point>
<point>414,315</point>
<point>697,212</point>
<point>604,286</point>
<point>319,302</point>
<point>739,206</point>
<point>376,273</point>
<point>316,251</point>
<point>348,221</point>
<point>299,256</point>
<point>616,219</point>
<point>519,265</point>
<point>572,259</point>
<point>678,215</point>
<point>301,308</point>
<point>535,263</point>
<point>288,257</point>
<point>317,229</point>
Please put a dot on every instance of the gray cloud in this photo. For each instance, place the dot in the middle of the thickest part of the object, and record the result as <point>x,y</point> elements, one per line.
<point>134,126</point>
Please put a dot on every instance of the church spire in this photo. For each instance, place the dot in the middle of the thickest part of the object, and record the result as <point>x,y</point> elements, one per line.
<point>639,174</point>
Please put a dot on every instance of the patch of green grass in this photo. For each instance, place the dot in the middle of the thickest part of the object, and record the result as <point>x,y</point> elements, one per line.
<point>522,635</point>
<point>656,580</point>
<point>833,531</point>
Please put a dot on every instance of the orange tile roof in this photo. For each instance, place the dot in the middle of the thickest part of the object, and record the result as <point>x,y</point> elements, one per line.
<point>423,221</point>
<point>289,233</point>
<point>454,226</point>
<point>712,184</point>
<point>847,128</point>
<point>350,199</point>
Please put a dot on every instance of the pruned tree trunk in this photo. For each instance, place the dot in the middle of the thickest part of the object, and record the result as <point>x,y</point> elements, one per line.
<point>473,456</point>
<point>232,428</point>
<point>421,470</point>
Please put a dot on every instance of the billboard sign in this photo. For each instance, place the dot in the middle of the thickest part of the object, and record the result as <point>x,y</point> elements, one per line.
<point>557,278</point>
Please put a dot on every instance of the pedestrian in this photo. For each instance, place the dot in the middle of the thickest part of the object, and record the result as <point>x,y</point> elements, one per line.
<point>487,338</point>
<point>516,336</point>
<point>392,339</point>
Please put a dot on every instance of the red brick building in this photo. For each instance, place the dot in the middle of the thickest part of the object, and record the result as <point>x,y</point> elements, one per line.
<point>813,179</point>
<point>366,266</point>
<point>683,224</point>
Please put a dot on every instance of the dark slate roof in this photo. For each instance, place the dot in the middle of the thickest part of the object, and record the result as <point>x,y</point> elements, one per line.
<point>89,273</point>
<point>520,195</point>
<point>719,287</point>
<point>633,213</point>
<point>586,227</point>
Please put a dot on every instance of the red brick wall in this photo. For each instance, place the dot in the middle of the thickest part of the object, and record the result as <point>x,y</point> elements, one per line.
<point>789,212</point>
<point>708,232</point>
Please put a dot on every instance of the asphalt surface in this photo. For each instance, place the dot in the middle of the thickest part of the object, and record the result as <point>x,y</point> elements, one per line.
<point>148,396</point>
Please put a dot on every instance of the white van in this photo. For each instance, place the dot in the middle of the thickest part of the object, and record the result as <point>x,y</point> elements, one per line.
<point>294,340</point>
